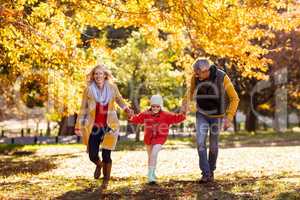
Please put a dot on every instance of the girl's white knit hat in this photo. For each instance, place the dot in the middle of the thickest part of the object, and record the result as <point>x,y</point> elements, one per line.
<point>156,100</point>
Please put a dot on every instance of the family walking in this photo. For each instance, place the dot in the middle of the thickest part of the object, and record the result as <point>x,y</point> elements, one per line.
<point>98,123</point>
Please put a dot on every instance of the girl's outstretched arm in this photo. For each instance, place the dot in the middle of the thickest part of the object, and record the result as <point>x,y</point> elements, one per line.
<point>138,118</point>
<point>174,118</point>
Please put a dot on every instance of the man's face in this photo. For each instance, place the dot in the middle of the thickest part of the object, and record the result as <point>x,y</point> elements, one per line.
<point>202,73</point>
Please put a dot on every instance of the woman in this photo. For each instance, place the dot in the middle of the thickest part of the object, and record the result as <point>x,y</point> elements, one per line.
<point>97,121</point>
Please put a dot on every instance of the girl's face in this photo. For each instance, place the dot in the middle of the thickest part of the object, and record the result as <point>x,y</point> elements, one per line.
<point>155,108</point>
<point>99,76</point>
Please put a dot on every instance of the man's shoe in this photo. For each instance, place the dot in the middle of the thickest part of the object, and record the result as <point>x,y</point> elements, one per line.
<point>212,177</point>
<point>204,179</point>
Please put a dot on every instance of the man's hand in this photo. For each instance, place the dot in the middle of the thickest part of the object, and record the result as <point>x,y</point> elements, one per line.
<point>182,111</point>
<point>227,123</point>
<point>183,108</point>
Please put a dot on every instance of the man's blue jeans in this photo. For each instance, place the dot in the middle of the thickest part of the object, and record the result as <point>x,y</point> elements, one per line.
<point>204,125</point>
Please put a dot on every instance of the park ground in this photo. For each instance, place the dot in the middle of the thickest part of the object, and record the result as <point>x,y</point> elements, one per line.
<point>264,165</point>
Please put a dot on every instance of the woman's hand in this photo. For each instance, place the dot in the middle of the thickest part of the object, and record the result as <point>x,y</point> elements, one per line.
<point>78,132</point>
<point>129,112</point>
<point>115,133</point>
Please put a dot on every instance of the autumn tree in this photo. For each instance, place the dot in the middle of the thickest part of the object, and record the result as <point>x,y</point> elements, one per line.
<point>142,70</point>
<point>46,36</point>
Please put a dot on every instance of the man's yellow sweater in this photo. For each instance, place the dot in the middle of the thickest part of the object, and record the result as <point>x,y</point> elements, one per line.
<point>230,91</point>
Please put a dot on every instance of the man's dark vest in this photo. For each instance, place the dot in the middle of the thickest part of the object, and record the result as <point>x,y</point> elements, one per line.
<point>210,93</point>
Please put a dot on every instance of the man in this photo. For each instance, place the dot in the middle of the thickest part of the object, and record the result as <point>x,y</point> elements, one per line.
<point>209,87</point>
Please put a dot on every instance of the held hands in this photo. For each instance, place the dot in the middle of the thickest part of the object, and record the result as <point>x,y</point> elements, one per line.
<point>114,133</point>
<point>182,113</point>
<point>184,108</point>
<point>78,132</point>
<point>129,112</point>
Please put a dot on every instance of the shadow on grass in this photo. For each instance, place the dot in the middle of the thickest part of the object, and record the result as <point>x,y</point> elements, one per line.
<point>289,195</point>
<point>166,190</point>
<point>24,162</point>
<point>8,148</point>
<point>9,166</point>
<point>88,193</point>
<point>231,187</point>
<point>171,189</point>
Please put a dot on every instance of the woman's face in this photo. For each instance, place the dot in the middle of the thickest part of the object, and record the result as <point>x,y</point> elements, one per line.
<point>155,108</point>
<point>99,76</point>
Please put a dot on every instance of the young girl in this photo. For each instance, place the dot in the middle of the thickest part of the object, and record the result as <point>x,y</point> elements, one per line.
<point>156,128</point>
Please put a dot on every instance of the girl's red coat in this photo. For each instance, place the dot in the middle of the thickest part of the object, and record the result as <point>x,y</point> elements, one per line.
<point>156,126</point>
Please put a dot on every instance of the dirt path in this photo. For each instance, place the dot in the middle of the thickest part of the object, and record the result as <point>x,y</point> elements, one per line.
<point>256,161</point>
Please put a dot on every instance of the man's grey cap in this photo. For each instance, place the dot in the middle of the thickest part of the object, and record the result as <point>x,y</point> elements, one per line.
<point>201,63</point>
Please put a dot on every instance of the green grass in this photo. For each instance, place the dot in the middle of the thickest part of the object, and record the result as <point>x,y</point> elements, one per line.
<point>241,139</point>
<point>262,138</point>
<point>4,148</point>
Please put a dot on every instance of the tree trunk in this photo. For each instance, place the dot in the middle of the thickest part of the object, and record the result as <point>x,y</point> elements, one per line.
<point>288,124</point>
<point>132,128</point>
<point>276,125</point>
<point>235,125</point>
<point>37,127</point>
<point>67,125</point>
<point>251,121</point>
<point>48,131</point>
<point>136,109</point>
<point>298,119</point>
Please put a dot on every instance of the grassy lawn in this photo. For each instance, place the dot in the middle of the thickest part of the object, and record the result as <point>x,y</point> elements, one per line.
<point>25,173</point>
<point>226,140</point>
<point>240,139</point>
<point>10,149</point>
<point>262,138</point>
<point>232,186</point>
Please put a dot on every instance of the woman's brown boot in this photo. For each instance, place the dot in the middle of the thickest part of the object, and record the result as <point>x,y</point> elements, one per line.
<point>106,173</point>
<point>97,172</point>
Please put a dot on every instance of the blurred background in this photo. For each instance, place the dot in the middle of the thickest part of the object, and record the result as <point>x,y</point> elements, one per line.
<point>48,47</point>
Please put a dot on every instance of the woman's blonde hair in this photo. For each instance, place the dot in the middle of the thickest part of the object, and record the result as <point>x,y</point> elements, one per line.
<point>102,67</point>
